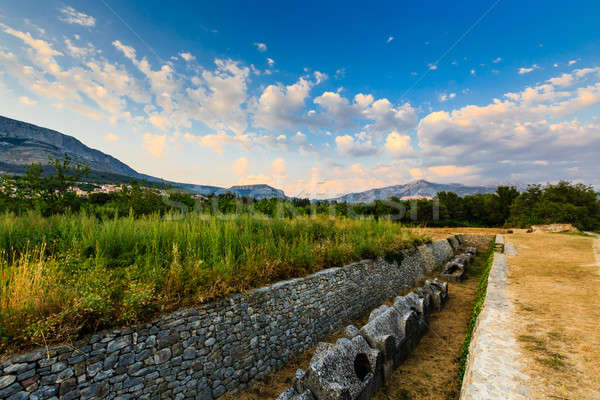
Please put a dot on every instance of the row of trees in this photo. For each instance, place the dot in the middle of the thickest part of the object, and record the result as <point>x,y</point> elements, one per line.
<point>50,193</point>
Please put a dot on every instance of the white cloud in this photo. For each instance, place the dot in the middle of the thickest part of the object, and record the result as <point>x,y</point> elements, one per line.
<point>261,47</point>
<point>340,73</point>
<point>375,116</point>
<point>111,137</point>
<point>497,60</point>
<point>220,98</point>
<point>445,171</point>
<point>104,83</point>
<point>447,96</point>
<point>271,62</point>
<point>564,80</point>
<point>187,56</point>
<point>72,16</point>
<point>279,167</point>
<point>399,145</point>
<point>320,77</point>
<point>526,70</point>
<point>389,39</point>
<point>155,144</point>
<point>27,101</point>
<point>278,105</point>
<point>572,62</point>
<point>527,125</point>
<point>240,166</point>
<point>217,141</point>
<point>348,146</point>
<point>432,67</point>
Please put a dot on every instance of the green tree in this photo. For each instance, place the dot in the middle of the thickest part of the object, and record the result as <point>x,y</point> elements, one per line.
<point>506,197</point>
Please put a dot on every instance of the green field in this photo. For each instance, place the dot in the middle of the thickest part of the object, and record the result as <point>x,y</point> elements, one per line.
<point>66,275</point>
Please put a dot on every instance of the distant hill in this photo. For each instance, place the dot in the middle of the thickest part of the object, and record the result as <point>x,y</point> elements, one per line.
<point>257,191</point>
<point>420,188</point>
<point>22,144</point>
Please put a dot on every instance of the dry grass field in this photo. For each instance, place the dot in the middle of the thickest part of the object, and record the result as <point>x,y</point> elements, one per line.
<point>554,281</point>
<point>442,233</point>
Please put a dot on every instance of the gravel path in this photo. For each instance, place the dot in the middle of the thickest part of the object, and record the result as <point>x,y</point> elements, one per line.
<point>596,249</point>
<point>494,369</point>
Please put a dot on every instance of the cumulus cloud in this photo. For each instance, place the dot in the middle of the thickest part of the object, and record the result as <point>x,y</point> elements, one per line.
<point>278,106</point>
<point>375,116</point>
<point>95,79</point>
<point>155,144</point>
<point>524,126</point>
<point>447,96</point>
<point>399,145</point>
<point>240,166</point>
<point>220,97</point>
<point>448,170</point>
<point>72,16</point>
<point>349,146</point>
<point>216,141</point>
<point>526,70</point>
<point>389,39</point>
<point>27,101</point>
<point>320,77</point>
<point>279,168</point>
<point>261,47</point>
<point>497,60</point>
<point>187,56</point>
<point>111,137</point>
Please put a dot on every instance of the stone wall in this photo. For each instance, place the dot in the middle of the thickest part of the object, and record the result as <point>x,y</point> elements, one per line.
<point>203,352</point>
<point>482,242</point>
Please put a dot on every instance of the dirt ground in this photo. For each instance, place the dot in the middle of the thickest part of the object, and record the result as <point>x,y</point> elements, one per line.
<point>430,372</point>
<point>554,280</point>
<point>442,233</point>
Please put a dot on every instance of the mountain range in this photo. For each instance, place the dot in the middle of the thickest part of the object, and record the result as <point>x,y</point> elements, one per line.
<point>22,144</point>
<point>416,189</point>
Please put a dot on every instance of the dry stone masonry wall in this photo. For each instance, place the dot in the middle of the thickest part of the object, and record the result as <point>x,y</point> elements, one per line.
<point>361,362</point>
<point>203,352</point>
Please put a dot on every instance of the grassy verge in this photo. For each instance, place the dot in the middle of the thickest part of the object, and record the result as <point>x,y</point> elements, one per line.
<point>478,305</point>
<point>64,276</point>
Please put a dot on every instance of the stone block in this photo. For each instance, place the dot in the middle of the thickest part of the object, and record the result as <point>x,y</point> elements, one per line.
<point>348,370</point>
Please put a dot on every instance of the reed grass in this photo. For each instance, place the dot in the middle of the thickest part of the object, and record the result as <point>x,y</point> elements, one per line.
<point>64,276</point>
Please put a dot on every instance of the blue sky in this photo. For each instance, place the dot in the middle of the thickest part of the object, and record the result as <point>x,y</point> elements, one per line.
<point>318,99</point>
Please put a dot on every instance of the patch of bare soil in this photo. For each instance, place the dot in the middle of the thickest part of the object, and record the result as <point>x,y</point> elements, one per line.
<point>442,233</point>
<point>554,282</point>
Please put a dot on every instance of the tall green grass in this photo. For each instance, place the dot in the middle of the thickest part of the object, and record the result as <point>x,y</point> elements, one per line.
<point>67,275</point>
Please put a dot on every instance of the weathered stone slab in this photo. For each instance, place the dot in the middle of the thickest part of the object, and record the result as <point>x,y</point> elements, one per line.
<point>350,370</point>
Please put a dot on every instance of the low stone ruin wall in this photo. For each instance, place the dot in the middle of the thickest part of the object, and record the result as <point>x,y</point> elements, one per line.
<point>476,240</point>
<point>361,362</point>
<point>204,351</point>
